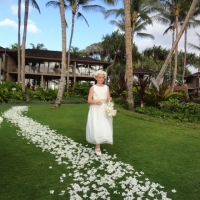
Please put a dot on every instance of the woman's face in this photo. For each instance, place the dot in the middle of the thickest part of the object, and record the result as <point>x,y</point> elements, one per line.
<point>100,78</point>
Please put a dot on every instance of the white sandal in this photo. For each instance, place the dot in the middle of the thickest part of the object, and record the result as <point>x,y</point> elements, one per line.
<point>98,152</point>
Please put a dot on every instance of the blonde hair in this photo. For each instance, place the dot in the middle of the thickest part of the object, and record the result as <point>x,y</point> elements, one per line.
<point>100,72</point>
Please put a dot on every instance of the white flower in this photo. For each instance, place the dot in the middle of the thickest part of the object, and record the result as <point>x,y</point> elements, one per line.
<point>109,108</point>
<point>13,89</point>
<point>90,182</point>
<point>100,72</point>
<point>1,120</point>
<point>50,167</point>
<point>51,191</point>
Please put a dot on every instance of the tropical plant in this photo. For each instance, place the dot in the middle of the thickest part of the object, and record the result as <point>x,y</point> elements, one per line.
<point>139,16</point>
<point>141,90</point>
<point>164,93</point>
<point>39,46</point>
<point>186,21</point>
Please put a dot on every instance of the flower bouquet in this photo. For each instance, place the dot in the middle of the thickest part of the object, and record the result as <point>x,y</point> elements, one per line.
<point>110,111</point>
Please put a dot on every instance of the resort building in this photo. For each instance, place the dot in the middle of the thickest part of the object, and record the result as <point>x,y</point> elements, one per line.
<point>43,67</point>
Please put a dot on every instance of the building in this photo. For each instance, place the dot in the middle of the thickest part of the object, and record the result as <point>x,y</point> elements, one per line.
<point>193,82</point>
<point>43,67</point>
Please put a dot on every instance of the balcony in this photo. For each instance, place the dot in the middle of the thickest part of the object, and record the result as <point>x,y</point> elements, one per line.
<point>50,72</point>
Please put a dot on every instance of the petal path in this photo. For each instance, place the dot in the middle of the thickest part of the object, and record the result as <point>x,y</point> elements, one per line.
<point>94,177</point>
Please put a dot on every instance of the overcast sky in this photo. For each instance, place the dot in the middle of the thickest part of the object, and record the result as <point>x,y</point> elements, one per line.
<point>45,28</point>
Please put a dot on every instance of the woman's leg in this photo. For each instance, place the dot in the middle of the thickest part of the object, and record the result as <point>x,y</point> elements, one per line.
<point>97,147</point>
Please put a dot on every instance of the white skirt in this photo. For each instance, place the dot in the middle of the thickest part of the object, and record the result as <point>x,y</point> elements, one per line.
<point>99,127</point>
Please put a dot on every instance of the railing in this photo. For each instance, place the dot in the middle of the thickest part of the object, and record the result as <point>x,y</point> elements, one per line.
<point>191,85</point>
<point>51,71</point>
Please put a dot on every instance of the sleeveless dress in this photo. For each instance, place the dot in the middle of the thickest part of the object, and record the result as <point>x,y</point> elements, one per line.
<point>99,128</point>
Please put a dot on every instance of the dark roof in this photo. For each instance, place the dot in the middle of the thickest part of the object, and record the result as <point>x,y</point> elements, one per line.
<point>54,56</point>
<point>142,71</point>
<point>193,75</point>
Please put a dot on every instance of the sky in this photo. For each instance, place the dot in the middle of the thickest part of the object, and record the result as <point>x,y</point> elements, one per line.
<point>45,27</point>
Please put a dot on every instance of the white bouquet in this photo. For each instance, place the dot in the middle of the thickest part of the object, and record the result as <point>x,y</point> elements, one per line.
<point>110,109</point>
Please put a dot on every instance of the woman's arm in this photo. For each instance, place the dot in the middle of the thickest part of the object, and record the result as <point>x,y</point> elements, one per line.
<point>108,95</point>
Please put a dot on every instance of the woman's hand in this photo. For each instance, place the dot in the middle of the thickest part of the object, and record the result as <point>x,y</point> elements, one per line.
<point>109,98</point>
<point>99,103</point>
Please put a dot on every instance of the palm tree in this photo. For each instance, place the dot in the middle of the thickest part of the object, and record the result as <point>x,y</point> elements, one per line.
<point>19,42</point>
<point>63,69</point>
<point>74,6</point>
<point>129,68</point>
<point>139,14</point>
<point>39,46</point>
<point>188,17</point>
<point>14,46</point>
<point>34,4</point>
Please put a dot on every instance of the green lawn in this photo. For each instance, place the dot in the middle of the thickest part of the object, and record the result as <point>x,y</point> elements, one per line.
<point>167,152</point>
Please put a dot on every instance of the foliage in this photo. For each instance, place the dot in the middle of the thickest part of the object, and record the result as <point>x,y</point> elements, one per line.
<point>81,89</point>
<point>10,90</point>
<point>141,90</point>
<point>174,109</point>
<point>164,93</point>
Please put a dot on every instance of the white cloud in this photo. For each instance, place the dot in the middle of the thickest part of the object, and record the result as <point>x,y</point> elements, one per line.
<point>8,22</point>
<point>165,41</point>
<point>31,27</point>
<point>14,9</point>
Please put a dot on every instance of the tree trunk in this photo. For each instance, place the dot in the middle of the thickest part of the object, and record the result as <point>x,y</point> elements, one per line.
<point>176,59</point>
<point>19,42</point>
<point>68,54</point>
<point>185,53</point>
<point>23,50</point>
<point>189,15</point>
<point>129,68</point>
<point>62,83</point>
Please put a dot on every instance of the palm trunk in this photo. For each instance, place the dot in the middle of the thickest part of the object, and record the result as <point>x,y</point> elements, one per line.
<point>176,58</point>
<point>63,68</point>
<point>170,65</point>
<point>185,54</point>
<point>189,15</point>
<point>23,49</point>
<point>19,43</point>
<point>129,68</point>
<point>68,54</point>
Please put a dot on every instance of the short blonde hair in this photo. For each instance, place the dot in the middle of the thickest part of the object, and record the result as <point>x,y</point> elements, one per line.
<point>100,72</point>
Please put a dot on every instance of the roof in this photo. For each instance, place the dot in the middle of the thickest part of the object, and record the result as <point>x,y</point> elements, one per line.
<point>52,56</point>
<point>193,75</point>
<point>142,71</point>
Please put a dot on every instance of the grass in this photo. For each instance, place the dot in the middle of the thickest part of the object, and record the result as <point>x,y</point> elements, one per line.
<point>166,151</point>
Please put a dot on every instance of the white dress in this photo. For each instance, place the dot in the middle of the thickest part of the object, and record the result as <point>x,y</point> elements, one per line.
<point>99,128</point>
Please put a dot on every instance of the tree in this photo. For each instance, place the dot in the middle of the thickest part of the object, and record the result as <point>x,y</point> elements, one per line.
<point>63,69</point>
<point>14,46</point>
<point>19,42</point>
<point>39,46</point>
<point>74,6</point>
<point>139,16</point>
<point>34,4</point>
<point>162,71</point>
<point>129,68</point>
